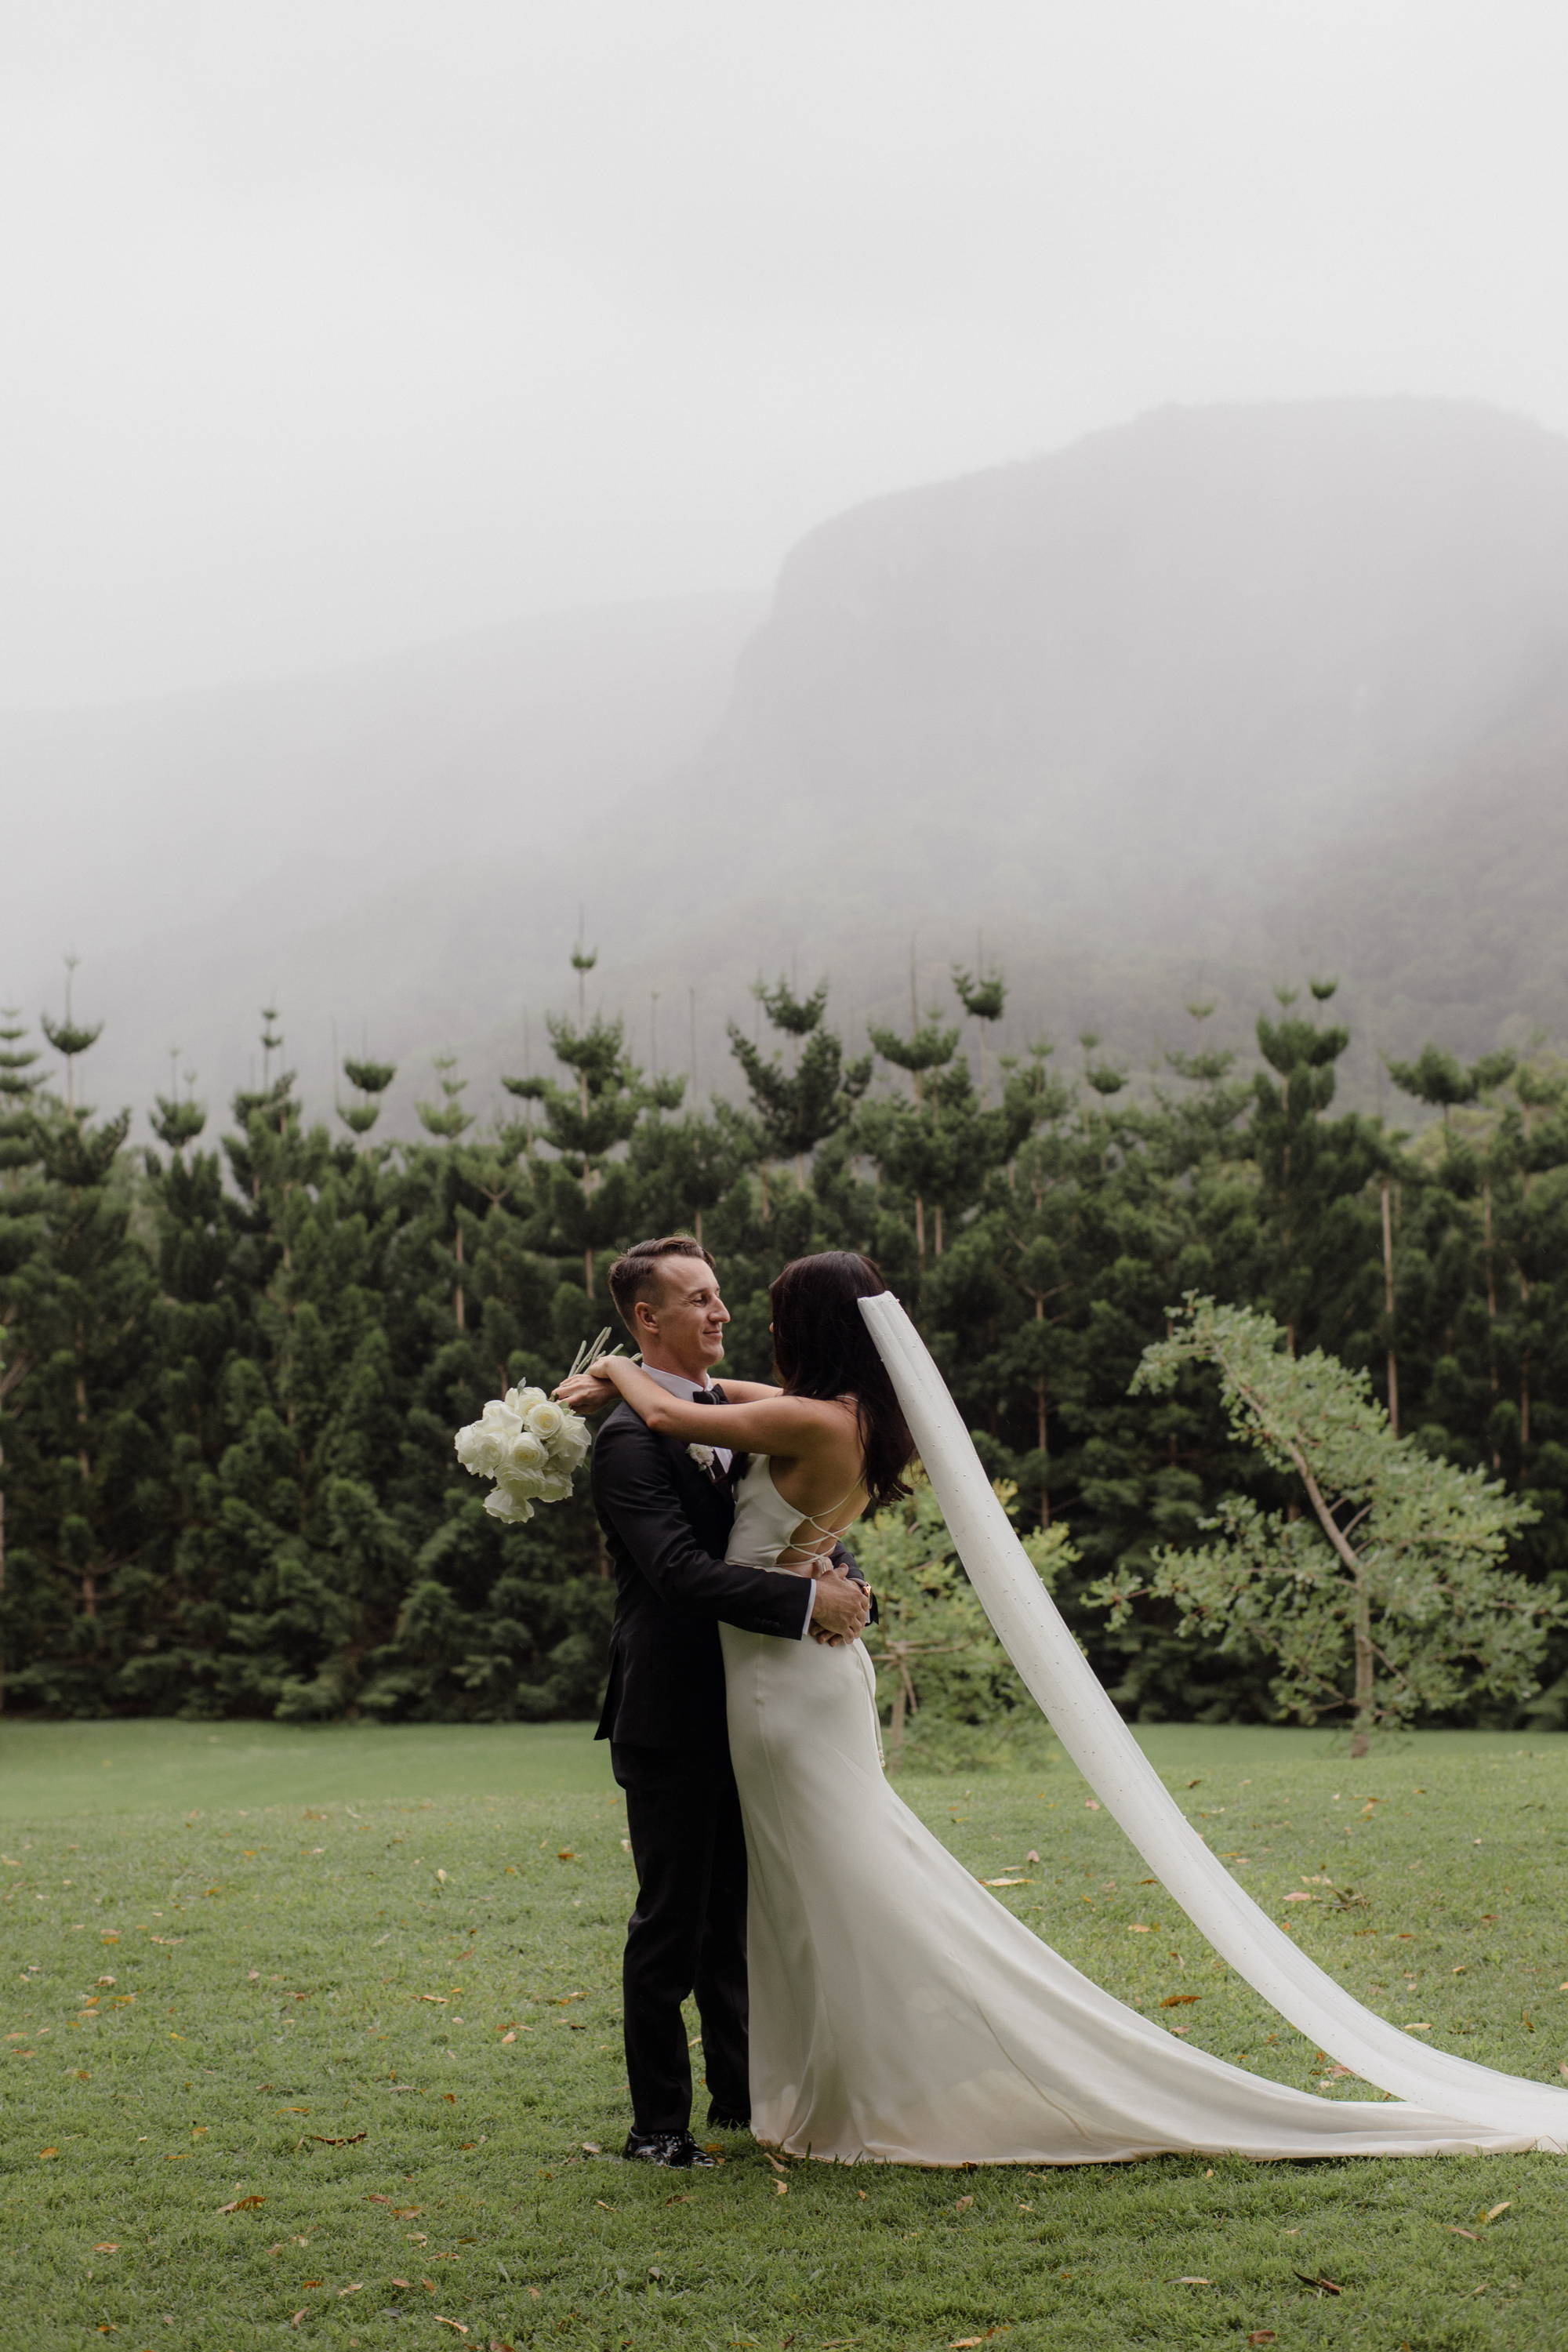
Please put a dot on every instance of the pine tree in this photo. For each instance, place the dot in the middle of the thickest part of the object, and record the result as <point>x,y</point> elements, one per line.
<point>370,1080</point>
<point>1388,1598</point>
<point>1319,1268</point>
<point>21,1203</point>
<point>799,1107</point>
<point>84,1452</point>
<point>591,1193</point>
<point>908,1139</point>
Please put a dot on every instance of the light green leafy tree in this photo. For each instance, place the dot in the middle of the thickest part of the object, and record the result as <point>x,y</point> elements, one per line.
<point>935,1654</point>
<point>1386,1598</point>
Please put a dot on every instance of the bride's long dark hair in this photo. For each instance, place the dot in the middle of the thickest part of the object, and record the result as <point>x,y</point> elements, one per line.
<point>823,1348</point>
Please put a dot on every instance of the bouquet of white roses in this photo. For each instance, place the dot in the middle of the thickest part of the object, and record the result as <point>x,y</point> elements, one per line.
<point>529,1445</point>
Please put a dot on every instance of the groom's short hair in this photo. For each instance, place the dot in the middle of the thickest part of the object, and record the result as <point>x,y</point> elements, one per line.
<point>638,1273</point>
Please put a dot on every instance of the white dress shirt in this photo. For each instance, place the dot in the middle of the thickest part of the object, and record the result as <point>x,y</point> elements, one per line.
<point>679,1386</point>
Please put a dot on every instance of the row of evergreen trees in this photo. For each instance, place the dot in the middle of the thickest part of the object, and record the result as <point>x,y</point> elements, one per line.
<point>229,1376</point>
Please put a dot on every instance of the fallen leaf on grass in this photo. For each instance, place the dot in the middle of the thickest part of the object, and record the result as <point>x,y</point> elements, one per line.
<point>242,2205</point>
<point>1090,1805</point>
<point>1454,2228</point>
<point>963,2204</point>
<point>1419,2025</point>
<point>298,2315</point>
<point>1324,2286</point>
<point>44,2152</point>
<point>1492,2211</point>
<point>321,2140</point>
<point>1137,1928</point>
<point>436,2000</point>
<point>782,2187</point>
<point>603,2207</point>
<point>1033,1856</point>
<point>1179,1999</point>
<point>358,2288</point>
<point>1191,2282</point>
<point>406,2212</point>
<point>1261,2335</point>
<point>1006,1882</point>
<point>108,2246</point>
<point>449,2323</point>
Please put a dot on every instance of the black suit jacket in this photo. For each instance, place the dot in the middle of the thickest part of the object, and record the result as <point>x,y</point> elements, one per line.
<point>667,1525</point>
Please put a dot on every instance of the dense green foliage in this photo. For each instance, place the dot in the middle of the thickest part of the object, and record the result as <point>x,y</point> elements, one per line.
<point>1383,1600</point>
<point>394,2021</point>
<point>230,1374</point>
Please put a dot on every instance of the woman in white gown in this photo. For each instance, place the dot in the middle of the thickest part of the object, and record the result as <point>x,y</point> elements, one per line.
<point>900,2013</point>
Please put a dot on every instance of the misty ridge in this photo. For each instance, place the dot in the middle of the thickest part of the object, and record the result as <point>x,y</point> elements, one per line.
<point>1189,709</point>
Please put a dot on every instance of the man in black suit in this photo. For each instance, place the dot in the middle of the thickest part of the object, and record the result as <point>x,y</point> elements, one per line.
<point>666,1522</point>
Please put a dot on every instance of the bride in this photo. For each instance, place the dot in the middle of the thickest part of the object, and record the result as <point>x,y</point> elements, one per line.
<point>897,2012</point>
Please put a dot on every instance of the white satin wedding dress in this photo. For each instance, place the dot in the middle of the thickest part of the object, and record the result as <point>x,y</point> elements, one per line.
<point>900,2013</point>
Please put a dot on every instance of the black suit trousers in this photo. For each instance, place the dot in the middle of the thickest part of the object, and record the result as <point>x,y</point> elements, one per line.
<point>687,1932</point>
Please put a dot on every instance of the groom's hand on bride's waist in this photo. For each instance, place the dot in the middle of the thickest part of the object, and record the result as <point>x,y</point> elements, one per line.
<point>840,1608</point>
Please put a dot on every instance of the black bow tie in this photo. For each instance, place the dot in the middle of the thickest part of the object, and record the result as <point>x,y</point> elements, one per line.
<point>706,1396</point>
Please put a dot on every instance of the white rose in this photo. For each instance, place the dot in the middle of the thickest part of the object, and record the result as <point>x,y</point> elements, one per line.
<point>572,1444</point>
<point>499,1417</point>
<point>525,1452</point>
<point>522,1401</point>
<point>553,1489</point>
<point>478,1450</point>
<point>520,1479</point>
<point>511,1509</point>
<point>545,1420</point>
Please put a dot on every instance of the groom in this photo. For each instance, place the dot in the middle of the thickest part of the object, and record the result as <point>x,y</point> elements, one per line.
<point>666,1519</point>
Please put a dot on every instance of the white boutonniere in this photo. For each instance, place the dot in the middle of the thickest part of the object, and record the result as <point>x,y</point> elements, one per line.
<point>702,1455</point>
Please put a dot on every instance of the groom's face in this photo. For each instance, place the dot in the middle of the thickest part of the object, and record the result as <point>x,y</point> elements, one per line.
<point>687,1316</point>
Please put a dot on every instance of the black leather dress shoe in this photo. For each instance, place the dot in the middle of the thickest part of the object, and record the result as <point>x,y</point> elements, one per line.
<point>672,2147</point>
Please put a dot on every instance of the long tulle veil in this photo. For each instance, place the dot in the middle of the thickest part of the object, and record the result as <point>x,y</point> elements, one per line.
<point>1034,1637</point>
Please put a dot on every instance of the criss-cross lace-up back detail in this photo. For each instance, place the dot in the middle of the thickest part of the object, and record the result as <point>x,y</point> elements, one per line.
<point>766,1524</point>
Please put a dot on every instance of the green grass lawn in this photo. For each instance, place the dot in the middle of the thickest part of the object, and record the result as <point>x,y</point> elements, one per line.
<point>312,2038</point>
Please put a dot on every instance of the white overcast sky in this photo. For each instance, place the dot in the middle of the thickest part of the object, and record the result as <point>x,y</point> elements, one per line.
<point>332,325</point>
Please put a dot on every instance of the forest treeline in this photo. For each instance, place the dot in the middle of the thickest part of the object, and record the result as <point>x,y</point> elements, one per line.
<point>230,1371</point>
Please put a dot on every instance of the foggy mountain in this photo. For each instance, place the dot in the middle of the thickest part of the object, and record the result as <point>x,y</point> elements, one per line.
<point>1194,705</point>
<point>1191,706</point>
